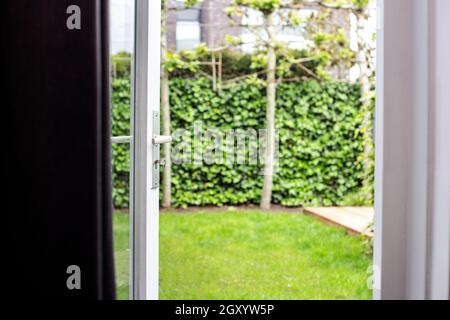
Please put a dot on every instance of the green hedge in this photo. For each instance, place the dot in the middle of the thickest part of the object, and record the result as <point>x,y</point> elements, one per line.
<point>319,147</point>
<point>121,99</point>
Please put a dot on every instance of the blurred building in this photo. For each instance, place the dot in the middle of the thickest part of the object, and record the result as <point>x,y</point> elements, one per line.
<point>206,22</point>
<point>122,25</point>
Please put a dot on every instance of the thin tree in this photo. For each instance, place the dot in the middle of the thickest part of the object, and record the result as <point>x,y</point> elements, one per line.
<point>330,49</point>
<point>366,80</point>
<point>269,11</point>
<point>280,14</point>
<point>167,64</point>
<point>165,110</point>
<point>271,92</point>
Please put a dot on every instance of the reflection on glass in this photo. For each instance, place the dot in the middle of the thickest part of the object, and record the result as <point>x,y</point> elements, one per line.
<point>122,30</point>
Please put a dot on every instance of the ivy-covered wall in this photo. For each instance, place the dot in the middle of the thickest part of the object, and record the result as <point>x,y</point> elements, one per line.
<point>320,142</point>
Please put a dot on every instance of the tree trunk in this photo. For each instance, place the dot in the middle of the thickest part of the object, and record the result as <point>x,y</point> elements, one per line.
<point>365,85</point>
<point>165,114</point>
<point>266,197</point>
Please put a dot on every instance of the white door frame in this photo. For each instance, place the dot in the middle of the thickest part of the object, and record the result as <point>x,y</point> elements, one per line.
<point>412,209</point>
<point>144,204</point>
<point>412,176</point>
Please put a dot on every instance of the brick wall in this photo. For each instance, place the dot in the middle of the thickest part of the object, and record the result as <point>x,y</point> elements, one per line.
<point>215,23</point>
<point>171,29</point>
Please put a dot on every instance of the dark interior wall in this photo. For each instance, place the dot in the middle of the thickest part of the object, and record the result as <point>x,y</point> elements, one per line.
<point>56,160</point>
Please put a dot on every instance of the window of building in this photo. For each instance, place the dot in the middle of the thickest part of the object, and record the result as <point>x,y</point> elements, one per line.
<point>293,36</point>
<point>188,34</point>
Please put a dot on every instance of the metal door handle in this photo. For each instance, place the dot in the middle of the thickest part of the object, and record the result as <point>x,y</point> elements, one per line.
<point>161,139</point>
<point>120,139</point>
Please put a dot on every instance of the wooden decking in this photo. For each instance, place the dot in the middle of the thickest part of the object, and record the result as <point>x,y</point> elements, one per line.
<point>355,219</point>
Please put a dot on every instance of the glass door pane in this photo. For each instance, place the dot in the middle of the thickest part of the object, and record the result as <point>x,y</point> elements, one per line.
<point>122,46</point>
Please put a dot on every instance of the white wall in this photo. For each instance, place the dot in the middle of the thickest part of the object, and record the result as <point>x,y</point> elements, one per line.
<point>439,257</point>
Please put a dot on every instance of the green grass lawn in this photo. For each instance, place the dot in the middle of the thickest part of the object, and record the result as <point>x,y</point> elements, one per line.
<point>251,255</point>
<point>121,253</point>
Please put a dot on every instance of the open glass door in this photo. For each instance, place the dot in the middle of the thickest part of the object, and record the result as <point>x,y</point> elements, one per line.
<point>135,34</point>
<point>121,51</point>
<point>145,152</point>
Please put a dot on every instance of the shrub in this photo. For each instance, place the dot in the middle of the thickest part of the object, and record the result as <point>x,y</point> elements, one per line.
<point>121,152</point>
<point>121,65</point>
<point>319,146</point>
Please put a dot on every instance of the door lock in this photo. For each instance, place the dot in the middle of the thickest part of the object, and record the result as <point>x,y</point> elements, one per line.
<point>161,163</point>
